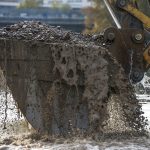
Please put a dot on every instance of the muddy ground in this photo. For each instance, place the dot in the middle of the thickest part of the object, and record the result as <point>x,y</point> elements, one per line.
<point>36,142</point>
<point>18,136</point>
<point>80,90</point>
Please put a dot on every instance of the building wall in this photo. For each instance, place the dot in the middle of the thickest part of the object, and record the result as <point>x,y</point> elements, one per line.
<point>48,3</point>
<point>72,3</point>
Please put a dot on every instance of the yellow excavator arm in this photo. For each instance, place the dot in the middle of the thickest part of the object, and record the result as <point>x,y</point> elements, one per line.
<point>136,13</point>
<point>129,7</point>
<point>133,34</point>
<point>143,18</point>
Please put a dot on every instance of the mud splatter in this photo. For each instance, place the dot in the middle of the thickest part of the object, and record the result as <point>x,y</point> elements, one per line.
<point>67,83</point>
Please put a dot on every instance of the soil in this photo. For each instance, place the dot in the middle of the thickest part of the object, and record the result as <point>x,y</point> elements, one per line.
<point>35,141</point>
<point>67,83</point>
<point>37,31</point>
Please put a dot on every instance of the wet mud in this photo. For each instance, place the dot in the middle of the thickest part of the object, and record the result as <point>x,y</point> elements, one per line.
<point>66,83</point>
<point>35,141</point>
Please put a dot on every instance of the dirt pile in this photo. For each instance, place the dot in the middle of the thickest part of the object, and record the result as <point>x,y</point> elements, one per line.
<point>66,83</point>
<point>37,31</point>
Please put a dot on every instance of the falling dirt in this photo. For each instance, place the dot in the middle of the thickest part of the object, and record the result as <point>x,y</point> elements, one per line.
<point>36,142</point>
<point>67,83</point>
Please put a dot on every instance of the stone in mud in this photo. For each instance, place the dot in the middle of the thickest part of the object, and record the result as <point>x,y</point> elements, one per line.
<point>67,85</point>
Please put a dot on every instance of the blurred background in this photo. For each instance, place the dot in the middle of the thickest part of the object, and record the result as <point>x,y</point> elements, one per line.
<point>75,15</point>
<point>88,16</point>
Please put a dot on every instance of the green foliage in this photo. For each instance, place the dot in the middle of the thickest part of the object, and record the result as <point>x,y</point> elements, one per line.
<point>96,17</point>
<point>144,6</point>
<point>30,3</point>
<point>60,6</point>
<point>55,4</point>
<point>65,7</point>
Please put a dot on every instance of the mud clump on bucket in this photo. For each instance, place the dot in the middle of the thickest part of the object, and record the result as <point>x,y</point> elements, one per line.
<point>69,83</point>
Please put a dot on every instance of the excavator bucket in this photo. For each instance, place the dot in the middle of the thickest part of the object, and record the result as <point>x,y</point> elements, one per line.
<point>65,83</point>
<point>131,37</point>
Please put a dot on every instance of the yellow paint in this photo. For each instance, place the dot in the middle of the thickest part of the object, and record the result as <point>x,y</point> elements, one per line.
<point>138,14</point>
<point>144,19</point>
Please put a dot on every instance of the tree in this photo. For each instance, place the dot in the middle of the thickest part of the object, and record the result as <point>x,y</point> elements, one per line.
<point>144,6</point>
<point>30,3</point>
<point>60,6</point>
<point>96,17</point>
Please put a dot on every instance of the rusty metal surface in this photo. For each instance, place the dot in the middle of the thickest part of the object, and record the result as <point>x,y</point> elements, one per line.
<point>129,50</point>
